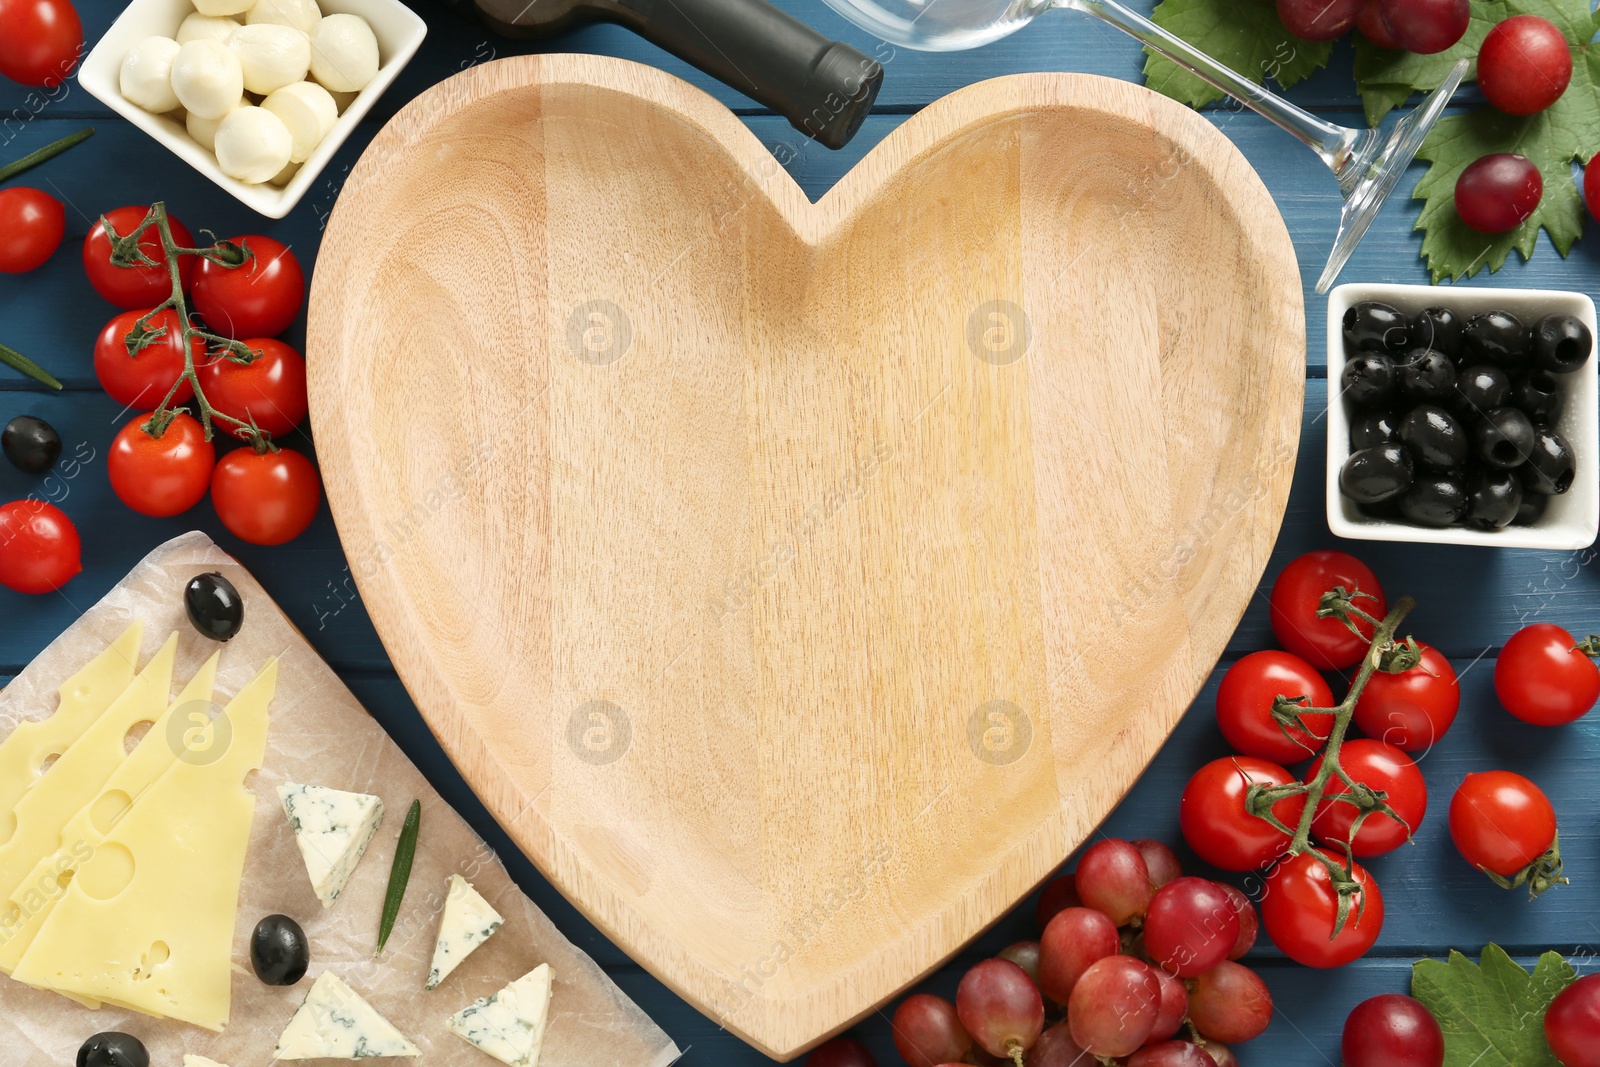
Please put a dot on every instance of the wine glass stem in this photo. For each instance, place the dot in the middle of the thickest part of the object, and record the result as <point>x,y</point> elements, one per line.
<point>1337,145</point>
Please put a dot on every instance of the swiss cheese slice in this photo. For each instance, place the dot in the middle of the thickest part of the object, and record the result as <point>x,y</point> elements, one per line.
<point>36,897</point>
<point>334,1023</point>
<point>148,922</point>
<point>84,697</point>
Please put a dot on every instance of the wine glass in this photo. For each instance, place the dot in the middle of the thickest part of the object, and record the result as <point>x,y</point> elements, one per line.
<point>1366,163</point>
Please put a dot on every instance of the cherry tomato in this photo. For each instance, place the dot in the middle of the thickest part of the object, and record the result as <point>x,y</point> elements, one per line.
<point>1380,767</point>
<point>164,475</point>
<point>1541,679</point>
<point>266,499</point>
<point>1572,1023</point>
<point>31,226</point>
<point>139,286</point>
<point>272,389</point>
<point>259,298</point>
<point>1591,187</point>
<point>143,380</point>
<point>1411,710</point>
<point>1501,822</point>
<point>1327,644</point>
<point>1217,826</point>
<point>40,41</point>
<point>1245,699</point>
<point>1301,906</point>
<point>39,547</point>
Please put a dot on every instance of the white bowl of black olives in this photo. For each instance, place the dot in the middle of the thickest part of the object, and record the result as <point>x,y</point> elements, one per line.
<point>1463,416</point>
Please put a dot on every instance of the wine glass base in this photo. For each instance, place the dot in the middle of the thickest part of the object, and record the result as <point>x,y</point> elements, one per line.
<point>1381,171</point>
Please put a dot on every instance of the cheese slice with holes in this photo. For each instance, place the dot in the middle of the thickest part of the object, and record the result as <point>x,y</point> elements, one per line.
<point>148,922</point>
<point>510,1025</point>
<point>467,922</point>
<point>334,1023</point>
<point>333,829</point>
<point>83,698</point>
<point>33,900</point>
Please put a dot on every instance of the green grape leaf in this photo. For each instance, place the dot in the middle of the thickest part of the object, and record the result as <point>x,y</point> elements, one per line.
<point>1492,1012</point>
<point>1385,78</point>
<point>1245,35</point>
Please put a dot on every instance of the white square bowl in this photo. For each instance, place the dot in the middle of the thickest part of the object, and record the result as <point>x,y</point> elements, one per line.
<point>1571,520</point>
<point>399,32</point>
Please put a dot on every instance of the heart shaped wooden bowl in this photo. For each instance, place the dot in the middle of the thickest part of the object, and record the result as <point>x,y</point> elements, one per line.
<point>798,583</point>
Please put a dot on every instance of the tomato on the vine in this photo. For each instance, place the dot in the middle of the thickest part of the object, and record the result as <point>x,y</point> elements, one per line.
<point>161,476</point>
<point>259,298</point>
<point>142,285</point>
<point>1542,678</point>
<point>1301,907</point>
<point>1214,821</point>
<point>1327,644</point>
<point>40,41</point>
<point>31,226</point>
<point>1244,706</point>
<point>1572,1023</point>
<point>1411,710</point>
<point>271,389</point>
<point>1501,822</point>
<point>266,498</point>
<point>39,547</point>
<point>143,380</point>
<point>1385,769</point>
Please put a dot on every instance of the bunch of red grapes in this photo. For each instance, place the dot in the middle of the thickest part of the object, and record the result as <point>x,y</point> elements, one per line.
<point>1132,955</point>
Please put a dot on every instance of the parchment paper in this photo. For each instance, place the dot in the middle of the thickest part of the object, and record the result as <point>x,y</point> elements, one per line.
<point>320,735</point>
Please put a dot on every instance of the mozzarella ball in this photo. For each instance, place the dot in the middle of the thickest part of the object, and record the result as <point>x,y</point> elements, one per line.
<point>302,15</point>
<point>197,27</point>
<point>272,56</point>
<point>204,131</point>
<point>343,100</point>
<point>253,145</point>
<point>146,75</point>
<point>222,8</point>
<point>308,110</point>
<point>344,53</point>
<point>207,78</point>
<point>285,176</point>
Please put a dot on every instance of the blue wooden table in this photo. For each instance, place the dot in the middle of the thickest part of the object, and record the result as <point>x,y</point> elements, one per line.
<point>1471,599</point>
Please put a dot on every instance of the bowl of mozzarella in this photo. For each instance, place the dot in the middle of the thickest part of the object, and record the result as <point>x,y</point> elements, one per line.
<point>255,94</point>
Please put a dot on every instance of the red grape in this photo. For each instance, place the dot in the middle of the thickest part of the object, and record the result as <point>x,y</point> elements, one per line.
<point>927,1031</point>
<point>1425,26</point>
<point>1249,921</point>
<point>1058,895</point>
<point>1230,1003</point>
<point>1000,1007</point>
<point>1221,1054</point>
<point>1112,877</point>
<point>1171,1054</point>
<point>1174,1007</point>
<point>1318,20</point>
<point>1498,192</point>
<point>1191,927</point>
<point>1572,1024</point>
<point>1075,940</point>
<point>1114,1006</point>
<point>1370,23</point>
<point>841,1052</point>
<point>1055,1048</point>
<point>1160,861</point>
<point>1591,187</point>
<point>1392,1030</point>
<point>1524,65</point>
<point>1024,954</point>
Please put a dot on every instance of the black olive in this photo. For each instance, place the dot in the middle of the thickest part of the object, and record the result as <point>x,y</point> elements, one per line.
<point>1480,388</point>
<point>279,951</point>
<point>112,1049</point>
<point>1434,500</point>
<point>1438,329</point>
<point>1369,381</point>
<point>1497,337</point>
<point>1504,438</point>
<point>1493,498</point>
<point>1561,343</point>
<point>1531,510</point>
<point>1375,474</point>
<point>32,445</point>
<point>1434,436</point>
<point>1426,375</point>
<point>214,605</point>
<point>1370,431</point>
<point>1552,467</point>
<point>1540,397</point>
<point>1373,327</point>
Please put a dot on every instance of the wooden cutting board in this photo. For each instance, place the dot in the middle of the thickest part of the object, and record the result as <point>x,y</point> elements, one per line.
<point>799,583</point>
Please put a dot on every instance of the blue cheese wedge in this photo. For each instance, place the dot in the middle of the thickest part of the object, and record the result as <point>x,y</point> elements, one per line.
<point>468,921</point>
<point>333,829</point>
<point>336,1024</point>
<point>510,1025</point>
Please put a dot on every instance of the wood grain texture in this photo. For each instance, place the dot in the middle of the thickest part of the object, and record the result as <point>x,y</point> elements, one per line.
<point>773,618</point>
